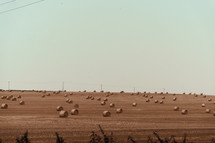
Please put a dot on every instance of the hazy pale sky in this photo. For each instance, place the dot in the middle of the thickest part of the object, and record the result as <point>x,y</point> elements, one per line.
<point>122,44</point>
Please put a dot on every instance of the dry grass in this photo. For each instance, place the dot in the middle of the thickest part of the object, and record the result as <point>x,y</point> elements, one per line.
<point>104,137</point>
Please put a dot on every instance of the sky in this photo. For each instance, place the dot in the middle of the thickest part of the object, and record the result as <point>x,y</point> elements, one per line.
<point>141,45</point>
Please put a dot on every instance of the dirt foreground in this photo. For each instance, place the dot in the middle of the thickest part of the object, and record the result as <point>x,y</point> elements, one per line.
<point>40,118</point>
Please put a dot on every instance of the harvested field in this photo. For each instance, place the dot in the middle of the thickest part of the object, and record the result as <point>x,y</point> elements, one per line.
<point>39,116</point>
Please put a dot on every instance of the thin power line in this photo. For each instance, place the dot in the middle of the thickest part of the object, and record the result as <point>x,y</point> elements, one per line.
<point>21,6</point>
<point>7,2</point>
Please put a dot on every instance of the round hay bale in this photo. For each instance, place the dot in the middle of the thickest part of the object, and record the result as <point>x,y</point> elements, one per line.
<point>107,95</point>
<point>174,94</point>
<point>184,112</point>
<point>4,106</point>
<point>184,93</point>
<point>88,97</point>
<point>156,93</point>
<point>9,97</point>
<point>214,102</point>
<point>92,98</point>
<point>84,91</point>
<point>134,104</point>
<point>48,94</point>
<point>43,95</point>
<point>105,99</point>
<point>195,95</point>
<point>74,112</point>
<point>203,105</point>
<point>21,102</point>
<point>103,103</point>
<point>111,93</point>
<point>106,114</point>
<point>119,110</point>
<point>63,114</point>
<point>59,108</point>
<point>70,93</point>
<point>67,99</point>
<point>174,98</point>
<point>214,113</point>
<point>207,111</point>
<point>112,105</point>
<point>201,94</point>
<point>70,101</point>
<point>156,101</point>
<point>132,93</point>
<point>147,100</point>
<point>94,91</point>
<point>102,91</point>
<point>190,93</point>
<point>19,96</point>
<point>76,106</point>
<point>146,95</point>
<point>209,99</point>
<point>98,99</point>
<point>14,99</point>
<point>65,95</point>
<point>167,92</point>
<point>204,96</point>
<point>151,96</point>
<point>161,93</point>
<point>163,97</point>
<point>3,97</point>
<point>161,102</point>
<point>122,92</point>
<point>176,108</point>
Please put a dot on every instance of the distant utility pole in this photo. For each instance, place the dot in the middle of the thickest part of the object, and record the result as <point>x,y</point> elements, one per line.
<point>101,87</point>
<point>134,89</point>
<point>164,90</point>
<point>8,84</point>
<point>63,86</point>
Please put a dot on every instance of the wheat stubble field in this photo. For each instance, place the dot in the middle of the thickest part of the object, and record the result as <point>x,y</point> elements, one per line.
<point>39,116</point>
